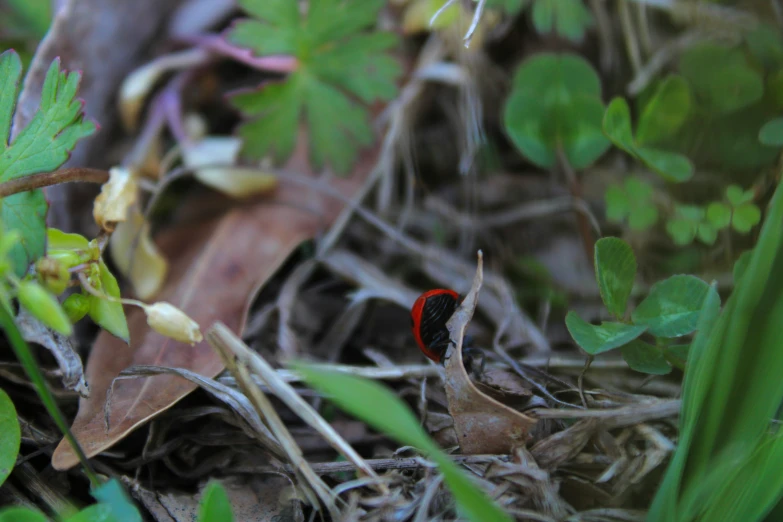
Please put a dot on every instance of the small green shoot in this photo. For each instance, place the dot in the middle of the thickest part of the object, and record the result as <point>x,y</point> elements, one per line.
<point>11,436</point>
<point>633,201</point>
<point>617,126</point>
<point>339,63</point>
<point>670,310</point>
<point>214,505</point>
<point>42,146</point>
<point>384,411</point>
<point>556,104</point>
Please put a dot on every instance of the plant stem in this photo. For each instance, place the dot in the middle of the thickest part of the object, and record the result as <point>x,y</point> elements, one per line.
<point>25,356</point>
<point>47,179</point>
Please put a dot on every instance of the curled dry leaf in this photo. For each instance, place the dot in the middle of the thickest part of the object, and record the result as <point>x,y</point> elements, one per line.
<point>137,257</point>
<point>68,360</point>
<point>483,425</point>
<point>216,269</point>
<point>212,159</point>
<point>116,197</point>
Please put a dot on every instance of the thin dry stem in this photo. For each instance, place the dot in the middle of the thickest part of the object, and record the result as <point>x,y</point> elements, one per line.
<point>47,179</point>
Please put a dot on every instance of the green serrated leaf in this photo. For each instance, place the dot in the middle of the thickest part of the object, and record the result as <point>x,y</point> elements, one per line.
<point>25,213</point>
<point>721,77</point>
<point>42,146</point>
<point>214,505</point>
<point>673,306</point>
<point>772,133</point>
<point>11,436</point>
<point>598,339</point>
<point>10,76</point>
<point>645,358</point>
<point>665,112</point>
<point>107,314</point>
<point>555,103</point>
<point>745,217</point>
<point>339,62</point>
<point>719,214</point>
<point>569,18</point>
<point>384,411</point>
<point>615,271</point>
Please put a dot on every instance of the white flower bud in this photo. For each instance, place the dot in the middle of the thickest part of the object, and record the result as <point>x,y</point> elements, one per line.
<point>168,320</point>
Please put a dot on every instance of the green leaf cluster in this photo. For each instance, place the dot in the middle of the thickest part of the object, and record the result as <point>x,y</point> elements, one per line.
<point>632,202</point>
<point>42,146</point>
<point>670,311</point>
<point>383,410</point>
<point>555,104</point>
<point>737,211</point>
<point>341,68</point>
<point>727,463</point>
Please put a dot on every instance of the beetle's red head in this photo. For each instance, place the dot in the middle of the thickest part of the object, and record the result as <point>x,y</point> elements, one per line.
<point>429,316</point>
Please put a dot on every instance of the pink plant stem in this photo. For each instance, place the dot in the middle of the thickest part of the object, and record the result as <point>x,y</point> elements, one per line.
<point>218,45</point>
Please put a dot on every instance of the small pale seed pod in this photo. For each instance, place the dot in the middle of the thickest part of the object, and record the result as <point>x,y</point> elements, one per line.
<point>43,306</point>
<point>168,320</point>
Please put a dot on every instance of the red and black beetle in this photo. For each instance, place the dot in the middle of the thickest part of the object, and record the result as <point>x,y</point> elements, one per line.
<point>429,315</point>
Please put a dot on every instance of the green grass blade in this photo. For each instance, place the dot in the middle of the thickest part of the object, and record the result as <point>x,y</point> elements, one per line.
<point>384,411</point>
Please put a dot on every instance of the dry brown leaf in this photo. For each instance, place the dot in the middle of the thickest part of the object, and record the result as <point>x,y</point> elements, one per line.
<point>215,272</point>
<point>483,425</point>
